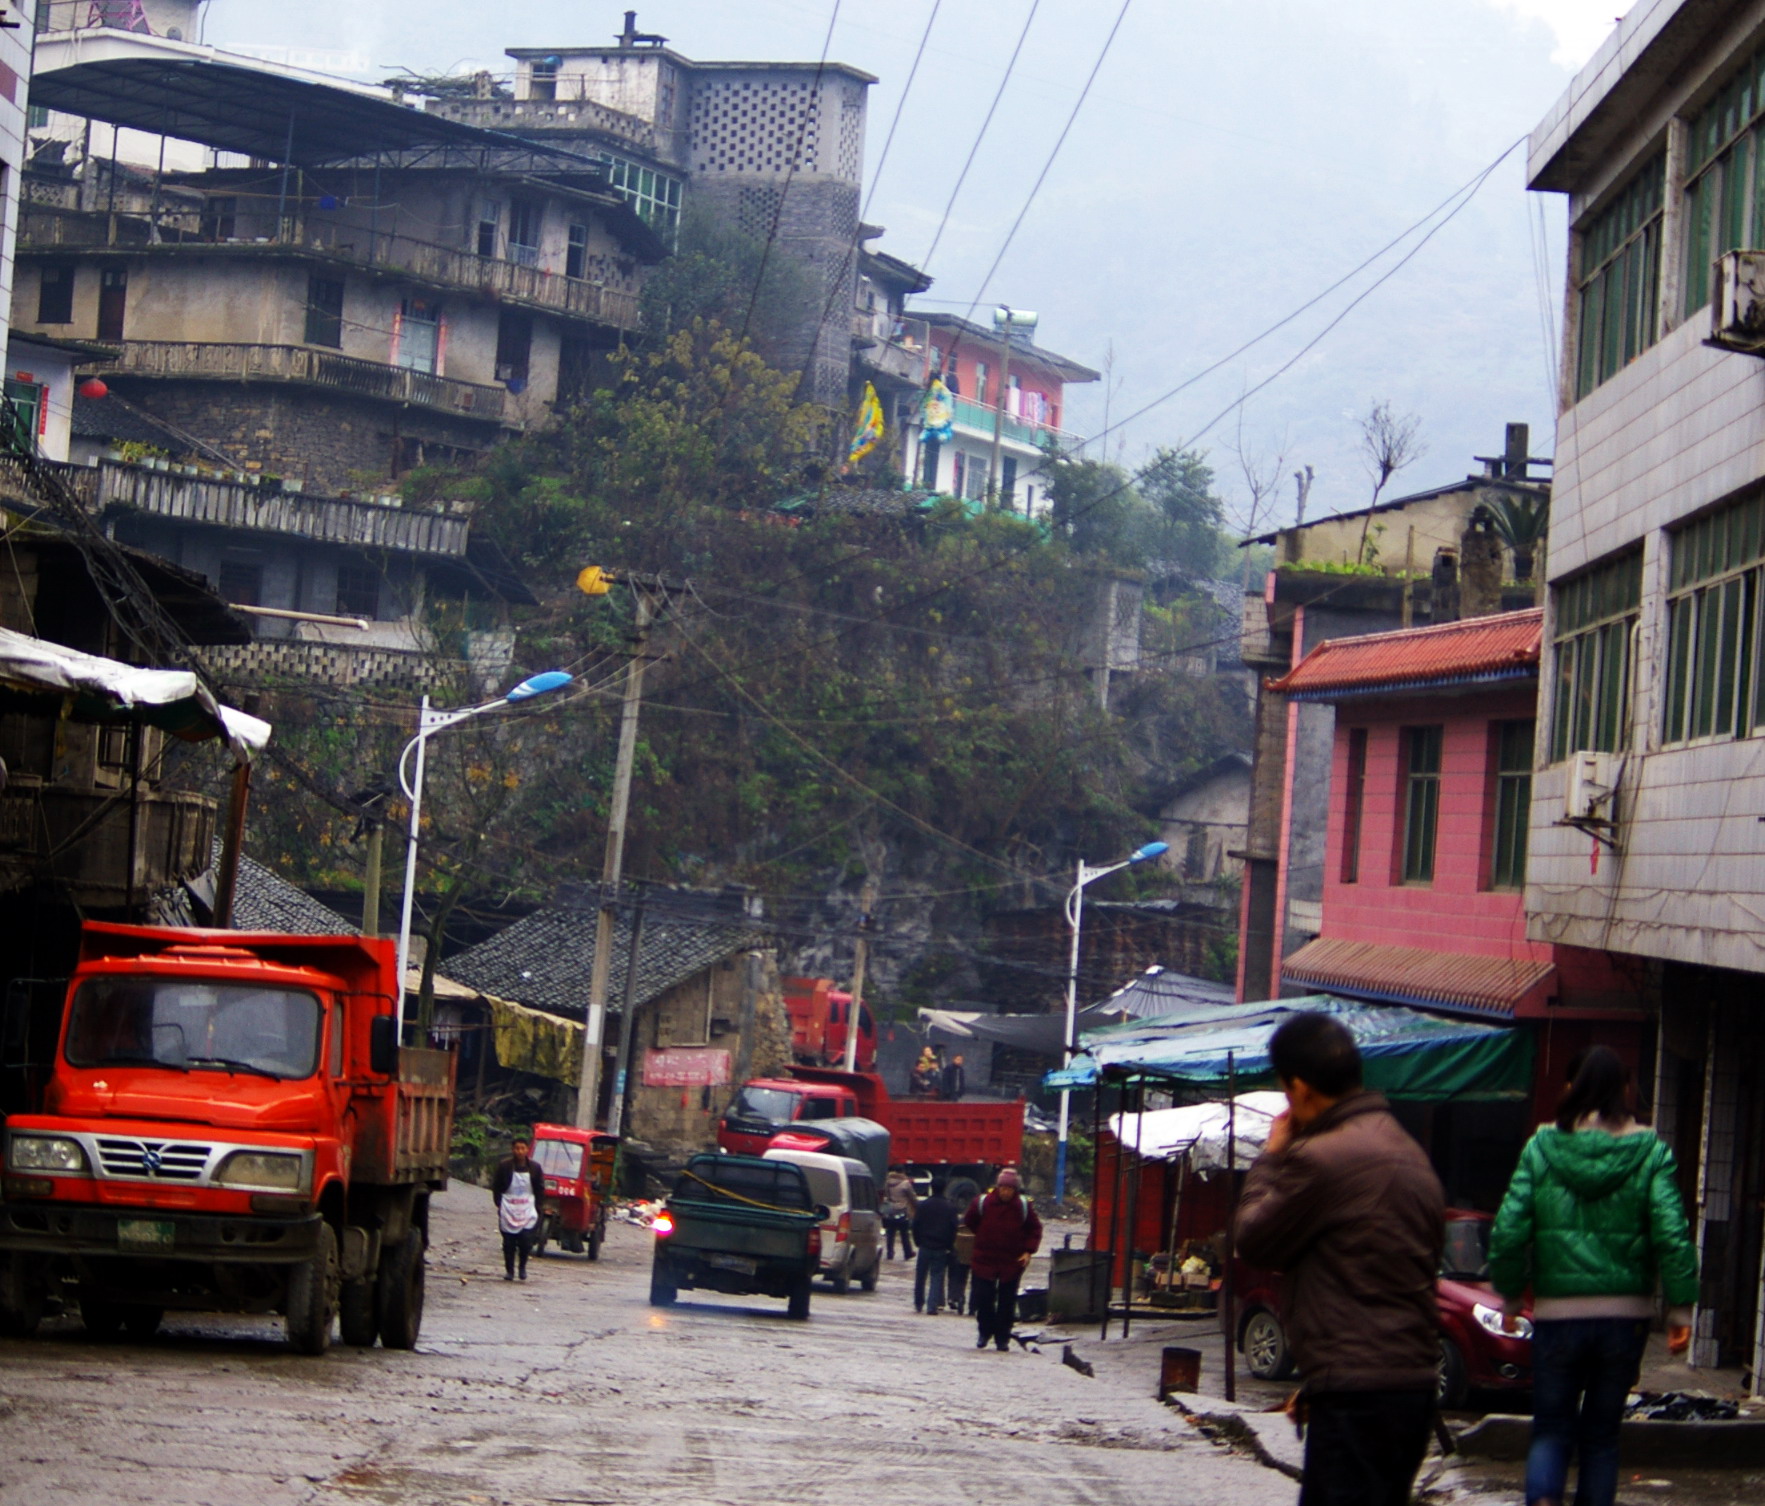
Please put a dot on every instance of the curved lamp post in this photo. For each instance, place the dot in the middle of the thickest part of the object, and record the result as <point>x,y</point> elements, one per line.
<point>429,722</point>
<point>1075,915</point>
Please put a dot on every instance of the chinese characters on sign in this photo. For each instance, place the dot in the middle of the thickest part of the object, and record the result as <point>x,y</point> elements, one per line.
<point>686,1068</point>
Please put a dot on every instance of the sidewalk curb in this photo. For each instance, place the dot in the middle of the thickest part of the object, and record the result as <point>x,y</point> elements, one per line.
<point>1721,1445</point>
<point>1231,1430</point>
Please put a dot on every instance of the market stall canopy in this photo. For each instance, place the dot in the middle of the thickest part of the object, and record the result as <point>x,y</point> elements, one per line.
<point>1156,993</point>
<point>1198,1131</point>
<point>108,690</point>
<point>1406,1054</point>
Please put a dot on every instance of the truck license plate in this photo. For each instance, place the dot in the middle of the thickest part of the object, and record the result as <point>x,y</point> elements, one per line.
<point>740,1263</point>
<point>144,1234</point>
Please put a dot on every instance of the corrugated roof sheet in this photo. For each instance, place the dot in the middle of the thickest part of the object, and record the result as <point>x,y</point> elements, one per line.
<point>1414,975</point>
<point>543,961</point>
<point>1503,647</point>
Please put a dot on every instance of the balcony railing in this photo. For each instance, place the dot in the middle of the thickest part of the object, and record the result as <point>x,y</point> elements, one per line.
<point>978,418</point>
<point>213,361</point>
<point>519,281</point>
<point>898,348</point>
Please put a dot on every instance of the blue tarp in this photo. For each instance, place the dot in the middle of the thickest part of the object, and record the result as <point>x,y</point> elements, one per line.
<point>1406,1054</point>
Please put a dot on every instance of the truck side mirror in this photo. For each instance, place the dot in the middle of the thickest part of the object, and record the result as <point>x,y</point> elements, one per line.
<point>383,1046</point>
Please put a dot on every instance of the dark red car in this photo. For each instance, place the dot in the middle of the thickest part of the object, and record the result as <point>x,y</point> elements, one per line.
<point>1475,1355</point>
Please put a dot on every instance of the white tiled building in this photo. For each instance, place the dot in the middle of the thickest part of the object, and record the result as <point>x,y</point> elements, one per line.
<point>1656,622</point>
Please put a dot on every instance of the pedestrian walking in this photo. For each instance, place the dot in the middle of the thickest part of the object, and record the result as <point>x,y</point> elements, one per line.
<point>1591,1221</point>
<point>1006,1233</point>
<point>518,1189</point>
<point>899,1202</point>
<point>1344,1203</point>
<point>955,1080</point>
<point>961,1258</point>
<point>934,1227</point>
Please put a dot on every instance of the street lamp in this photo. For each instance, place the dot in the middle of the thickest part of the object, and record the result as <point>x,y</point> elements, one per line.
<point>429,722</point>
<point>1005,320</point>
<point>1075,915</point>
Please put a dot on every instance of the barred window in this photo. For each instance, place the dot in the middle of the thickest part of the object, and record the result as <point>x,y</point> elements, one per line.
<point>1724,197</point>
<point>1513,802</point>
<point>1619,286</point>
<point>1714,688</point>
<point>1595,615</point>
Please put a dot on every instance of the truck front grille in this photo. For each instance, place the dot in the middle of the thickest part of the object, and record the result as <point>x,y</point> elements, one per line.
<point>156,1160</point>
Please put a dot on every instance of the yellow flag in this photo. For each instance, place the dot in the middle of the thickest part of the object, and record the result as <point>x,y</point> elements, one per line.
<point>869,432</point>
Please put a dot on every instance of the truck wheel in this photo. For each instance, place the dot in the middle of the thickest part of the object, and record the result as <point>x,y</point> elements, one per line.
<point>356,1318</point>
<point>312,1297</point>
<point>400,1292</point>
<point>21,1298</point>
<point>102,1319</point>
<point>799,1305</point>
<point>142,1322</point>
<point>663,1292</point>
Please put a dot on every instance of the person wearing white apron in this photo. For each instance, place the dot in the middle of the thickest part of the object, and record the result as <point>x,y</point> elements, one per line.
<point>518,1186</point>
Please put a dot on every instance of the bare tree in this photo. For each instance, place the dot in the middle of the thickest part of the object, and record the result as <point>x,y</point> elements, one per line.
<point>1261,472</point>
<point>1389,441</point>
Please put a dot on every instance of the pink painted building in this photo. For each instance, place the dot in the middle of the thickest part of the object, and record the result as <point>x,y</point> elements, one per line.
<point>1430,792</point>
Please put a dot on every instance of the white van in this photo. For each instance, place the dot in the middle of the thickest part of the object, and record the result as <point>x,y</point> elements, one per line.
<point>852,1235</point>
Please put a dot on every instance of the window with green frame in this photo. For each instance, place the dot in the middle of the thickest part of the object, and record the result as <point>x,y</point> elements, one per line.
<point>655,196</point>
<point>1717,570</point>
<point>1513,802</point>
<point>1725,178</point>
<point>1619,286</point>
<point>1590,648</point>
<point>1421,801</point>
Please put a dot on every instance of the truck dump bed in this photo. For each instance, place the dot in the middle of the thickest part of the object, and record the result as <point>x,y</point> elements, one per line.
<point>924,1132</point>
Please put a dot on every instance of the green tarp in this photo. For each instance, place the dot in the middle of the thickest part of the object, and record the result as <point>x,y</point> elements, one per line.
<point>1406,1054</point>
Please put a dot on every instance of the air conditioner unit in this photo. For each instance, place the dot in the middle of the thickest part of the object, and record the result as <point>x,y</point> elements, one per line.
<point>1592,782</point>
<point>1739,322</point>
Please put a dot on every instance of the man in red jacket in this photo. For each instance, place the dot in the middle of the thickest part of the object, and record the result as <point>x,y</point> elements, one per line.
<point>1006,1233</point>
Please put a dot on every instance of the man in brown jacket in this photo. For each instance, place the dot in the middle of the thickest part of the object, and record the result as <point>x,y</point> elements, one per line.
<point>1344,1203</point>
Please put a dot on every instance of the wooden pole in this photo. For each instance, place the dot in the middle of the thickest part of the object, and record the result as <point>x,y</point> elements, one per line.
<point>627,1022</point>
<point>227,880</point>
<point>371,879</point>
<point>860,957</point>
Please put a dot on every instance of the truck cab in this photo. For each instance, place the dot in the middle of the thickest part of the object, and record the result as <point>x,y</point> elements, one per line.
<point>766,1104</point>
<point>228,1124</point>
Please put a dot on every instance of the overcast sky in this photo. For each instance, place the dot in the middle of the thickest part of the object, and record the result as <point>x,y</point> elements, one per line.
<point>1230,163</point>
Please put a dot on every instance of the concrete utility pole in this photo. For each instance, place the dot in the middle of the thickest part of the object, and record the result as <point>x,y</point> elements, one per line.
<point>627,1021</point>
<point>860,958</point>
<point>588,1093</point>
<point>371,879</point>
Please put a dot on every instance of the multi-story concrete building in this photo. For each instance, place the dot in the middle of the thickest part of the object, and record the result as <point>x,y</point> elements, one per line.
<point>776,149</point>
<point>1646,820</point>
<point>1018,395</point>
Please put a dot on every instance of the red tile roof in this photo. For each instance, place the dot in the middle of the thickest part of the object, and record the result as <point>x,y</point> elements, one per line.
<point>1504,647</point>
<point>1413,975</point>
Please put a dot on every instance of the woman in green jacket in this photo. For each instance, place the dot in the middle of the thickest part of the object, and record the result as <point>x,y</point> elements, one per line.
<point>1590,1221</point>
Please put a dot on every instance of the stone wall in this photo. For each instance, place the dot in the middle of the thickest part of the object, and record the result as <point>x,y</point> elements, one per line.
<point>735,1006</point>
<point>333,443</point>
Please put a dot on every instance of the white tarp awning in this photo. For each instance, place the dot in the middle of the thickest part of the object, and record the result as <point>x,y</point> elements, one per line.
<point>1198,1130</point>
<point>171,698</point>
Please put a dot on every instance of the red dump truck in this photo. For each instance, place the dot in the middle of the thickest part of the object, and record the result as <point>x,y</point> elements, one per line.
<point>954,1140</point>
<point>820,1015</point>
<point>228,1124</point>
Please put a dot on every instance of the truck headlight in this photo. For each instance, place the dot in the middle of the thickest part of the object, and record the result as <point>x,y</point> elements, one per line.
<point>261,1168</point>
<point>1491,1319</point>
<point>45,1153</point>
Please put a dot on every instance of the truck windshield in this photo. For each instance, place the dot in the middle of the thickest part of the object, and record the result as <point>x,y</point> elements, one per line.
<point>193,1026</point>
<point>559,1158</point>
<point>764,1103</point>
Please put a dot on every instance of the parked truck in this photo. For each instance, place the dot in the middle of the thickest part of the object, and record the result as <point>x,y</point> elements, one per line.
<point>820,1016</point>
<point>227,1123</point>
<point>961,1142</point>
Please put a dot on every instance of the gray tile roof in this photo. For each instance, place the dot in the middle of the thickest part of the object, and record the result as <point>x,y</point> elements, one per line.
<point>544,960</point>
<point>262,901</point>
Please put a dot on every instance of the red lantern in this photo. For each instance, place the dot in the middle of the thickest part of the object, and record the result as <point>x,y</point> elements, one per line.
<point>94,387</point>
